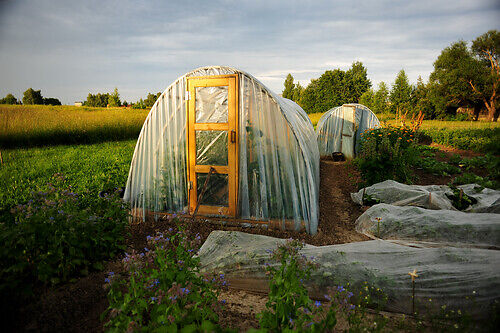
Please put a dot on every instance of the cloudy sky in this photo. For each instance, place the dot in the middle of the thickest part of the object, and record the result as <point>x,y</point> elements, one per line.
<point>70,48</point>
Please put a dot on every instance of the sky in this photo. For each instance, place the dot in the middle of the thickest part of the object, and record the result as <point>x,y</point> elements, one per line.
<point>70,48</point>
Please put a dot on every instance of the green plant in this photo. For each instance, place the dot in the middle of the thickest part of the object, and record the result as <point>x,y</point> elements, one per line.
<point>56,236</point>
<point>162,289</point>
<point>290,309</point>
<point>386,153</point>
<point>436,167</point>
<point>470,178</point>
<point>289,306</point>
<point>460,200</point>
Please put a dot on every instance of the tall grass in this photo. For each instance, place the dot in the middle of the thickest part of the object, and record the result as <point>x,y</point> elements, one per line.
<point>40,125</point>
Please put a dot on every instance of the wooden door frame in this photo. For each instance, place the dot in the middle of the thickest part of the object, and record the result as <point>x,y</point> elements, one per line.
<point>231,81</point>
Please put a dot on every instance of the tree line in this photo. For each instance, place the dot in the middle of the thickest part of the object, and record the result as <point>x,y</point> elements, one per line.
<point>464,77</point>
<point>30,97</point>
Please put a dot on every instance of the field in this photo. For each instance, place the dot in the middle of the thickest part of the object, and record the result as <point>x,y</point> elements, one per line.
<point>38,125</point>
<point>93,148</point>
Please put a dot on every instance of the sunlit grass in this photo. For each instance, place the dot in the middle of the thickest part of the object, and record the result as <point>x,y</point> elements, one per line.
<point>35,125</point>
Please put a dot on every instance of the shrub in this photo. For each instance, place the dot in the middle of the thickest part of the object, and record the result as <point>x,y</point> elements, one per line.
<point>387,153</point>
<point>55,237</point>
<point>162,288</point>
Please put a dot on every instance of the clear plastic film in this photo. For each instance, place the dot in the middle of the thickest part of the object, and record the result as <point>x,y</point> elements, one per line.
<point>458,278</point>
<point>338,121</point>
<point>278,153</point>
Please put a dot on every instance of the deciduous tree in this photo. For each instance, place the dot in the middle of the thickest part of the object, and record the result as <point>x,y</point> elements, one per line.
<point>9,99</point>
<point>31,97</point>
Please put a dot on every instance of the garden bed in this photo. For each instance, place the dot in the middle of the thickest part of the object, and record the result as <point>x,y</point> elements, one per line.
<point>77,306</point>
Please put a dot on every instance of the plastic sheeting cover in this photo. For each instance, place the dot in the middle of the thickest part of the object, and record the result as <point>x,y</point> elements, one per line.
<point>330,127</point>
<point>446,275</point>
<point>278,153</point>
<point>429,196</point>
<point>440,226</point>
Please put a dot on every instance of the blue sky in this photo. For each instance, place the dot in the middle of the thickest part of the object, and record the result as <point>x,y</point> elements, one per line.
<point>70,48</point>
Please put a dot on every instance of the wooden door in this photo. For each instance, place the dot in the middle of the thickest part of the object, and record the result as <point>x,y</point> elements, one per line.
<point>213,144</point>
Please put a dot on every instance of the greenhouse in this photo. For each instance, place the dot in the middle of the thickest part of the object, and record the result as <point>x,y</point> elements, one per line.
<point>339,129</point>
<point>218,143</point>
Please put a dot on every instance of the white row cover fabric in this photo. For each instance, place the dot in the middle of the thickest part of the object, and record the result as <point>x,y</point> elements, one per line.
<point>460,278</point>
<point>431,226</point>
<point>278,155</point>
<point>337,132</point>
<point>429,196</point>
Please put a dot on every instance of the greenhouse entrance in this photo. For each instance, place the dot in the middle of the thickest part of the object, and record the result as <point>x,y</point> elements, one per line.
<point>212,144</point>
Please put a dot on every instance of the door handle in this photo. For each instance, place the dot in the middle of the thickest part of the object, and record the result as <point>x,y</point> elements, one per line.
<point>233,136</point>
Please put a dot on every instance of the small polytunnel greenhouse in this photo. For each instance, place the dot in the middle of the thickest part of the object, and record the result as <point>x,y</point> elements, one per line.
<point>340,128</point>
<point>219,143</point>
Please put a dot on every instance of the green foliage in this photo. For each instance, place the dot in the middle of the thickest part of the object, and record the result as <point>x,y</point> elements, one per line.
<point>114,99</point>
<point>460,200</point>
<point>97,100</point>
<point>151,99</point>
<point>31,96</point>
<point>464,77</point>
<point>9,99</point>
<point>51,101</point>
<point>292,91</point>
<point>289,86</point>
<point>431,165</point>
<point>387,153</point>
<point>162,288</point>
<point>56,235</point>
<point>289,306</point>
<point>367,99</point>
<point>401,92</point>
<point>482,140</point>
<point>471,178</point>
<point>421,100</point>
<point>334,88</point>
<point>356,82</point>
<point>290,309</point>
<point>377,101</point>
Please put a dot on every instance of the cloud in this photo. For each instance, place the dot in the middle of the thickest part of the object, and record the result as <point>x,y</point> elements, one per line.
<point>68,49</point>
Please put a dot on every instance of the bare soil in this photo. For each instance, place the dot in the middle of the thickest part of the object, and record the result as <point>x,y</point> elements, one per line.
<point>76,307</point>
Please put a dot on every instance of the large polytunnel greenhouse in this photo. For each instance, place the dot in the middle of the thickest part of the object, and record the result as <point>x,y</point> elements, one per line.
<point>340,128</point>
<point>217,142</point>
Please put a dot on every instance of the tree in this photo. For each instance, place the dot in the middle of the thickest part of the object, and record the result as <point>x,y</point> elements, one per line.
<point>356,81</point>
<point>114,99</point>
<point>31,97</point>
<point>401,93</point>
<point>421,101</point>
<point>381,99</point>
<point>97,100</point>
<point>367,99</point>
<point>454,70</point>
<point>486,48</point>
<point>289,87</point>
<point>51,101</point>
<point>151,99</point>
<point>297,92</point>
<point>9,99</point>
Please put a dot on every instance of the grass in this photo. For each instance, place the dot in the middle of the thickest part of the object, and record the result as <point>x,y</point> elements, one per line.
<point>40,125</point>
<point>92,167</point>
